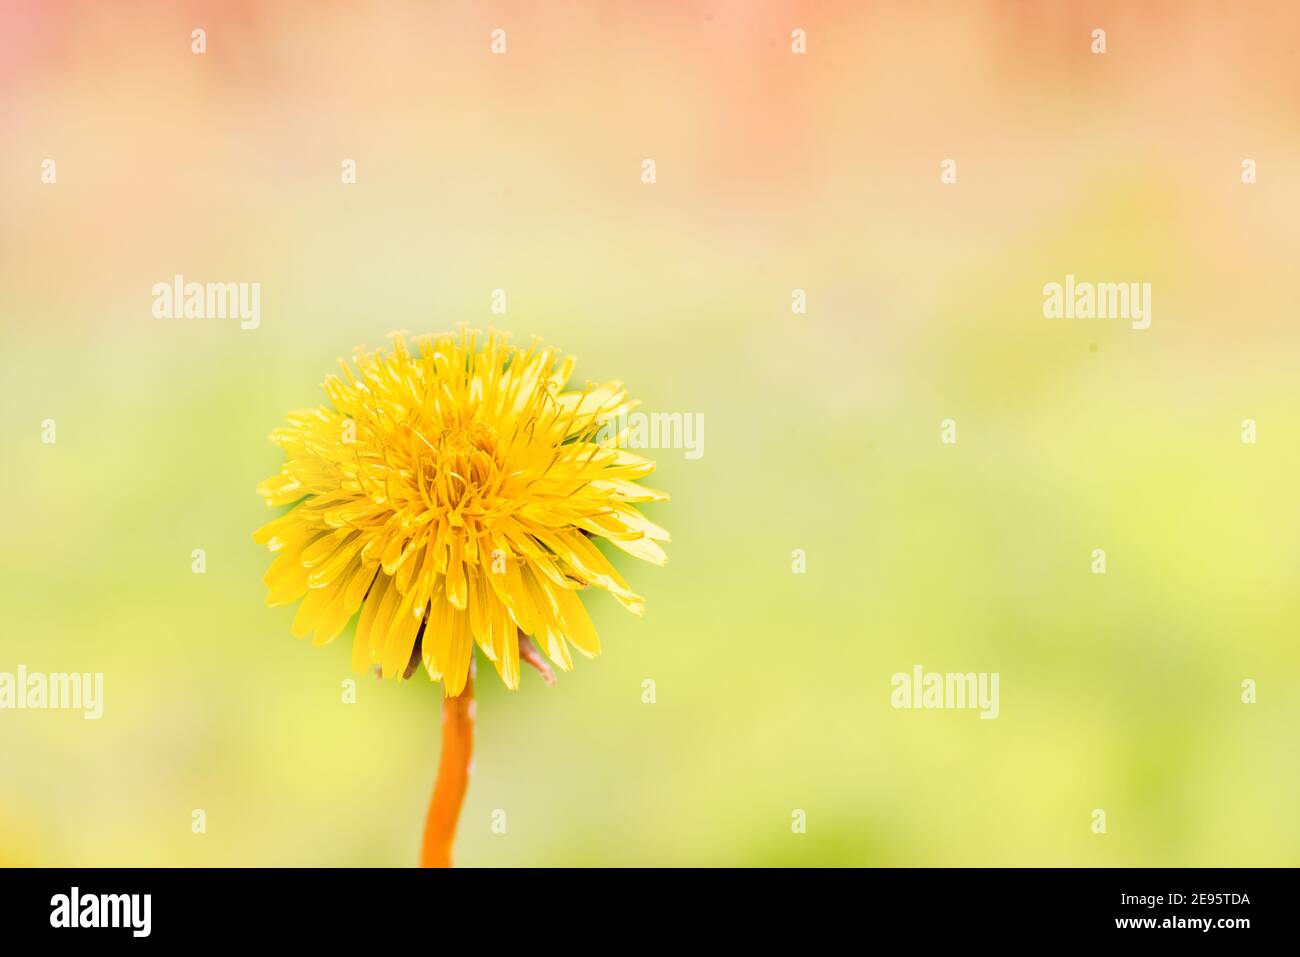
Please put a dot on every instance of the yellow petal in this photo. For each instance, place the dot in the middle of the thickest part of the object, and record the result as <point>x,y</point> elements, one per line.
<point>577,623</point>
<point>401,638</point>
<point>286,579</point>
<point>311,609</point>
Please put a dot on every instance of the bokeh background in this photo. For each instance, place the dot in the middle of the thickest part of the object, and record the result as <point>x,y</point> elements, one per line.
<point>775,171</point>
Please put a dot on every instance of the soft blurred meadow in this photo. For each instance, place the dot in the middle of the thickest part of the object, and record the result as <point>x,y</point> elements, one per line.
<point>775,172</point>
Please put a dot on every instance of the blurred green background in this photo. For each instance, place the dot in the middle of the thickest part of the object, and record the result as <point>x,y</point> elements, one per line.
<point>1118,691</point>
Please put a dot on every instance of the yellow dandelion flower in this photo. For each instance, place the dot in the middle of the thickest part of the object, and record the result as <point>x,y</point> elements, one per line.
<point>452,493</point>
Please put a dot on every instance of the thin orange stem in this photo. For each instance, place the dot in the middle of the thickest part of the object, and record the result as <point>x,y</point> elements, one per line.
<point>453,776</point>
<point>529,654</point>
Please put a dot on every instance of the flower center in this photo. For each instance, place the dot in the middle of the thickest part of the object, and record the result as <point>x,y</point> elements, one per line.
<point>464,440</point>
